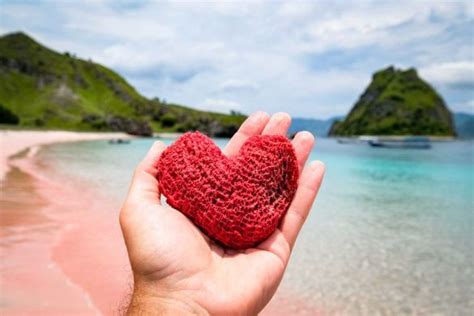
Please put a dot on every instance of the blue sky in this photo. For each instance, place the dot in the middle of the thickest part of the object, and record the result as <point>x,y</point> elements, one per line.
<point>309,58</point>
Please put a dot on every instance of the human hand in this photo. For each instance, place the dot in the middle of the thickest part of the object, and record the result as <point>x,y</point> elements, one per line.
<point>179,270</point>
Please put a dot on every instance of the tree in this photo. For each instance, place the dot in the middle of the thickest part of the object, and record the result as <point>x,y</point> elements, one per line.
<point>7,116</point>
<point>168,120</point>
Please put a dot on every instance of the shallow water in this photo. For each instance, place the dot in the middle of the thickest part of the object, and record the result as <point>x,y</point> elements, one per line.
<point>391,232</point>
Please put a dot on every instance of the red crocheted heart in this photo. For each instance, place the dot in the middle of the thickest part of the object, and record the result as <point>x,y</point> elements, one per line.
<point>237,201</point>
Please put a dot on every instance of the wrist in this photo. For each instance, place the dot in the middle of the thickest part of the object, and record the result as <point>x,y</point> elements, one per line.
<point>154,300</point>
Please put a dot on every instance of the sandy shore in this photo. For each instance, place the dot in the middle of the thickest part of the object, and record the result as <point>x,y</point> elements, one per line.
<point>167,135</point>
<point>12,142</point>
<point>55,258</point>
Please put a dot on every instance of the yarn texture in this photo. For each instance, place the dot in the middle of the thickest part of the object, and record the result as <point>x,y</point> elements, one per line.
<point>237,201</point>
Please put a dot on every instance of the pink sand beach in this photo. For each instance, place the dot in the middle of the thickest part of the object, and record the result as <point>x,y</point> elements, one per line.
<point>62,251</point>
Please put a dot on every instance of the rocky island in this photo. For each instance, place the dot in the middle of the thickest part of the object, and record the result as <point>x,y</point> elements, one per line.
<point>397,102</point>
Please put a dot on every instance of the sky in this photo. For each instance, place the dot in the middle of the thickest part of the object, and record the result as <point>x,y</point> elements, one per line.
<point>309,58</point>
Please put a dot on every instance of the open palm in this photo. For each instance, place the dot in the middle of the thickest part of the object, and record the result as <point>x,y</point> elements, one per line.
<point>177,269</point>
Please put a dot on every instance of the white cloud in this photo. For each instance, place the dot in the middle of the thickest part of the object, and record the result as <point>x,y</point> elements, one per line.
<point>469,105</point>
<point>458,74</point>
<point>464,106</point>
<point>237,85</point>
<point>131,28</point>
<point>144,56</point>
<point>296,9</point>
<point>220,105</point>
<point>376,23</point>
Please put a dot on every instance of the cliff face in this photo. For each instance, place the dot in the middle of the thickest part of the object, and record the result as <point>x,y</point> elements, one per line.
<point>397,102</point>
<point>44,88</point>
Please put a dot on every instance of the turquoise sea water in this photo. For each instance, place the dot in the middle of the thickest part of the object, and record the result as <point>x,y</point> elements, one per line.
<point>391,232</point>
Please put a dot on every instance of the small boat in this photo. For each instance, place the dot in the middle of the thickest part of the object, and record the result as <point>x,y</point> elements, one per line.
<point>347,141</point>
<point>119,141</point>
<point>355,140</point>
<point>415,142</point>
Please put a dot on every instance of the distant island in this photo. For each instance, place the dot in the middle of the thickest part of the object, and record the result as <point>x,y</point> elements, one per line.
<point>397,102</point>
<point>464,125</point>
<point>42,88</point>
<point>319,127</point>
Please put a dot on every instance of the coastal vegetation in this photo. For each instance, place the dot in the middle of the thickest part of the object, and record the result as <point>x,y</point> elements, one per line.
<point>7,116</point>
<point>42,88</point>
<point>397,102</point>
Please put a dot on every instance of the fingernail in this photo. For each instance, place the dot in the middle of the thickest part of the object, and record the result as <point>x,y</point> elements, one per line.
<point>158,143</point>
<point>305,136</point>
<point>316,165</point>
<point>257,116</point>
<point>281,116</point>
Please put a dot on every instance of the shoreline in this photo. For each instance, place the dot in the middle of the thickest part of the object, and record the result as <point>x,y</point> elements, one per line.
<point>167,135</point>
<point>14,141</point>
<point>395,137</point>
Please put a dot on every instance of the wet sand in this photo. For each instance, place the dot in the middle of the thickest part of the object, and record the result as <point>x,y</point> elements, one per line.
<point>30,281</point>
<point>61,248</point>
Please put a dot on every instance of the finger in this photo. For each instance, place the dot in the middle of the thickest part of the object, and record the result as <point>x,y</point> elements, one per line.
<point>253,125</point>
<point>278,124</point>
<point>302,143</point>
<point>144,182</point>
<point>148,164</point>
<point>308,187</point>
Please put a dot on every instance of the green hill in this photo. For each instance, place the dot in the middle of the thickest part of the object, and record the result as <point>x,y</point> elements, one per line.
<point>46,89</point>
<point>397,102</point>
